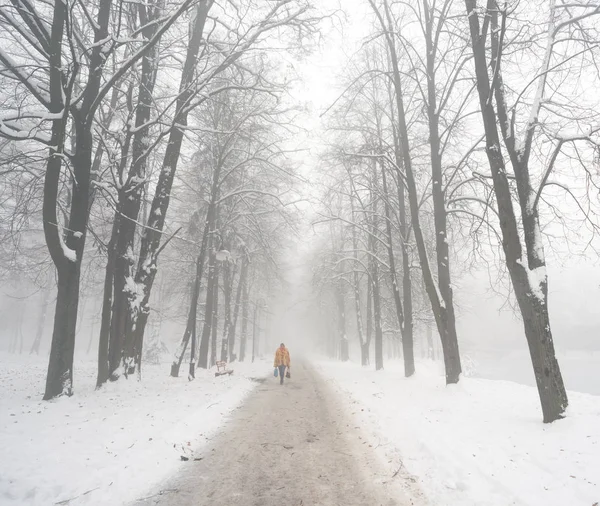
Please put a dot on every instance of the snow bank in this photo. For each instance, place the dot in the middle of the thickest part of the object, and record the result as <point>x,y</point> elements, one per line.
<point>108,446</point>
<point>479,442</point>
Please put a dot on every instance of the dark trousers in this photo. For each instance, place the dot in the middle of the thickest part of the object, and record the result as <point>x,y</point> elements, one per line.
<point>281,373</point>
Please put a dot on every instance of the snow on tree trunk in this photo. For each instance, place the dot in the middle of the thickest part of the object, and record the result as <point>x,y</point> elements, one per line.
<point>152,235</point>
<point>528,276</point>
<point>435,298</point>
<point>125,292</point>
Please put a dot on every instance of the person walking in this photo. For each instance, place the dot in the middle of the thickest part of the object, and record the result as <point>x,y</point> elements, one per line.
<point>282,361</point>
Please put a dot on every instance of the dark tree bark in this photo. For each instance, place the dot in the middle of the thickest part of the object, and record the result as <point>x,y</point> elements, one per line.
<point>438,306</point>
<point>129,203</point>
<point>192,369</point>
<point>109,357</point>
<point>528,275</point>
<point>190,329</point>
<point>450,343</point>
<point>214,325</point>
<point>151,238</point>
<point>407,298</point>
<point>208,309</point>
<point>227,288</point>
<point>407,343</point>
<point>73,98</point>
<point>236,309</point>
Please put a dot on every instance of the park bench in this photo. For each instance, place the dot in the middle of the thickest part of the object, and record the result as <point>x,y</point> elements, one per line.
<point>222,369</point>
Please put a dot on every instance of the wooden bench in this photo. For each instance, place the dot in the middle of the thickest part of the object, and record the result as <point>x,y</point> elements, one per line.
<point>222,369</point>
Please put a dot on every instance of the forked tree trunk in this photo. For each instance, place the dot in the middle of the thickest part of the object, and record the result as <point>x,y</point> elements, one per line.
<point>528,275</point>
<point>67,254</point>
<point>152,235</point>
<point>437,305</point>
<point>128,208</point>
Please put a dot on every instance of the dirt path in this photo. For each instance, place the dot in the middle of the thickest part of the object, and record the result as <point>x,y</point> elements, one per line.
<point>287,445</point>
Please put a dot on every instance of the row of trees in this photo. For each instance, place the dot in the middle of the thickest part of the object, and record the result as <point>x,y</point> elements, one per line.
<point>440,144</point>
<point>101,103</point>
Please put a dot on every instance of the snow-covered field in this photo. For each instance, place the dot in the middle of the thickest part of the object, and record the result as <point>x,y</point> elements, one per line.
<point>108,446</point>
<point>480,442</point>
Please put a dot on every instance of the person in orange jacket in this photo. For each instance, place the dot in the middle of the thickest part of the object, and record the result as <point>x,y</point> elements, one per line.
<point>282,361</point>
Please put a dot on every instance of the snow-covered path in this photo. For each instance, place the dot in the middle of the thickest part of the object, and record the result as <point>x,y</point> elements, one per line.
<point>292,445</point>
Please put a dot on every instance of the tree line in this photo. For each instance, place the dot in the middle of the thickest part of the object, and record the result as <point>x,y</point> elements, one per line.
<point>465,132</point>
<point>115,112</point>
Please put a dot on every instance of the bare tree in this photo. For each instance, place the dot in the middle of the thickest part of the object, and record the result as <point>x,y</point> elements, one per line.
<point>521,234</point>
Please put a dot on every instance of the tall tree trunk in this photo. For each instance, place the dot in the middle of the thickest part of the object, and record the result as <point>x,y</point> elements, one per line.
<point>152,234</point>
<point>374,262</point>
<point>129,204</point>
<point>244,329</point>
<point>528,276</point>
<point>208,309</point>
<point>59,379</point>
<point>356,287</point>
<point>236,309</point>
<point>227,288</point>
<point>109,357</point>
<point>190,329</point>
<point>67,255</point>
<point>214,320</point>
<point>377,319</point>
<point>408,333</point>
<point>254,328</point>
<point>366,348</point>
<point>192,369</point>
<point>188,334</point>
<point>450,344</point>
<point>408,349</point>
<point>437,305</point>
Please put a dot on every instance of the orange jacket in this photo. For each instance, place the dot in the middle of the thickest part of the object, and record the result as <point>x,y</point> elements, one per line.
<point>282,357</point>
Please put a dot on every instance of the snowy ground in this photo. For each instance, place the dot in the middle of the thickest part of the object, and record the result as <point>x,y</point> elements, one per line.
<point>480,442</point>
<point>107,446</point>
